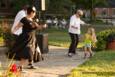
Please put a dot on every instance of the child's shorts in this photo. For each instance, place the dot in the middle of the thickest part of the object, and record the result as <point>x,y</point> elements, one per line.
<point>87,45</point>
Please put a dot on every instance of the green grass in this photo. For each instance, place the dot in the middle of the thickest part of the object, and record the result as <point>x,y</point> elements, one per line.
<point>102,64</point>
<point>60,37</point>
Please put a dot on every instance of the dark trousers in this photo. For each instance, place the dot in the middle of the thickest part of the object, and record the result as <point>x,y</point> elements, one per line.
<point>74,43</point>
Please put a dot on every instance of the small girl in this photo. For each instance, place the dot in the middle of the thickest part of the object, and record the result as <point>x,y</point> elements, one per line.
<point>89,41</point>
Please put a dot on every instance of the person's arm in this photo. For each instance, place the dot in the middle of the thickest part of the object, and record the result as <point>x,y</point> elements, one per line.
<point>12,28</point>
<point>17,27</point>
<point>74,27</point>
<point>38,26</point>
<point>82,22</point>
<point>94,38</point>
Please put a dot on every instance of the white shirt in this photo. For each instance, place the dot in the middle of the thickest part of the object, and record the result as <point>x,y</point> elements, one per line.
<point>74,26</point>
<point>48,21</point>
<point>17,19</point>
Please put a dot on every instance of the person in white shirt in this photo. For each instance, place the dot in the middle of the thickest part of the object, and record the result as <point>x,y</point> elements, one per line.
<point>18,17</point>
<point>74,31</point>
<point>49,22</point>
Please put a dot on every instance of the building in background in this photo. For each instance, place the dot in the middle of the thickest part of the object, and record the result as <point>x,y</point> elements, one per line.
<point>105,12</point>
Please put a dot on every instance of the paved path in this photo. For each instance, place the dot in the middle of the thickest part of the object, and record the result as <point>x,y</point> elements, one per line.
<point>55,64</point>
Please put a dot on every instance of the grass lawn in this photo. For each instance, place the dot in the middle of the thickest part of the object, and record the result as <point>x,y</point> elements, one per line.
<point>60,37</point>
<point>102,64</point>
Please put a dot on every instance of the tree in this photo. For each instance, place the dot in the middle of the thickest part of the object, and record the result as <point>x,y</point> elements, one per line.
<point>90,5</point>
<point>18,4</point>
<point>59,6</point>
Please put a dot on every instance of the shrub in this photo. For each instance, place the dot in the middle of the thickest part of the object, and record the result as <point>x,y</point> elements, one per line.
<point>5,33</point>
<point>103,37</point>
<point>1,38</point>
<point>111,37</point>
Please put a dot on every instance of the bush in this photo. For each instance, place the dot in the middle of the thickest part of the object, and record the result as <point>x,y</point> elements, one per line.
<point>1,37</point>
<point>111,37</point>
<point>5,34</point>
<point>103,37</point>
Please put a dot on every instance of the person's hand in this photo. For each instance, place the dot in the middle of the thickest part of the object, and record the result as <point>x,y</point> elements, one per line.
<point>45,26</point>
<point>88,24</point>
<point>12,30</point>
<point>37,20</point>
<point>74,27</point>
<point>34,24</point>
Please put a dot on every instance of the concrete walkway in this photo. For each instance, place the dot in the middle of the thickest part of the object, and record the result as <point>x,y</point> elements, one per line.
<point>55,64</point>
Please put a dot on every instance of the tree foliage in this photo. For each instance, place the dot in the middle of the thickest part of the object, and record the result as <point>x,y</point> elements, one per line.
<point>59,6</point>
<point>18,4</point>
<point>52,6</point>
<point>90,5</point>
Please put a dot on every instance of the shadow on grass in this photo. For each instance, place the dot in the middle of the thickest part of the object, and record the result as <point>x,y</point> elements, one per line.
<point>100,73</point>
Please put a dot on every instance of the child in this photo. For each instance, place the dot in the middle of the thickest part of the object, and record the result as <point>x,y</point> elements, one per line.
<point>89,41</point>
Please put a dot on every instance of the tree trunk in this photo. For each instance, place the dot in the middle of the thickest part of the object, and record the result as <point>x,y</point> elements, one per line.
<point>92,15</point>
